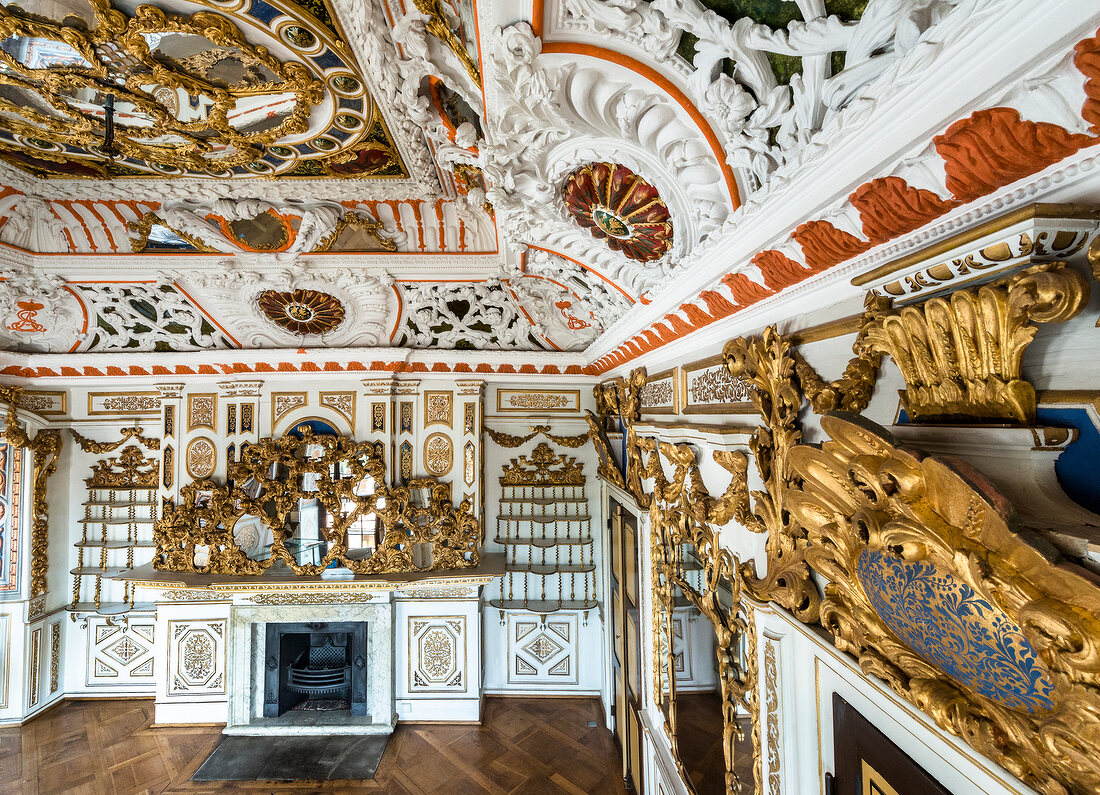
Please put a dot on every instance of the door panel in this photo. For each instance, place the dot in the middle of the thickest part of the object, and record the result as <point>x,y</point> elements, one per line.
<point>868,763</point>
<point>626,643</point>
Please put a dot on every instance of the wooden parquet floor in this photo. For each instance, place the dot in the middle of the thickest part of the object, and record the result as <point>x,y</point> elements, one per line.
<point>525,745</point>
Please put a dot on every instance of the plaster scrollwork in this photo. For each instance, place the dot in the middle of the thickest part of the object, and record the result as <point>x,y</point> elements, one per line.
<point>318,220</point>
<point>594,295</point>
<point>551,121</point>
<point>433,317</point>
<point>34,227</point>
<point>233,295</point>
<point>557,310</point>
<point>368,34</point>
<point>765,120</point>
<point>38,313</point>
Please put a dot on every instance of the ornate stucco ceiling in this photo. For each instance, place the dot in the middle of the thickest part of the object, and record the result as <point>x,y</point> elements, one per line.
<point>597,177</point>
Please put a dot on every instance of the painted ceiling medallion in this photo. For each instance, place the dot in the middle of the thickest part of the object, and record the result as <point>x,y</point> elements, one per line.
<point>91,90</point>
<point>615,204</point>
<point>302,311</point>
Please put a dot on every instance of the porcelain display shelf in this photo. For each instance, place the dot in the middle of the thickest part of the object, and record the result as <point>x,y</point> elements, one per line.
<point>490,568</point>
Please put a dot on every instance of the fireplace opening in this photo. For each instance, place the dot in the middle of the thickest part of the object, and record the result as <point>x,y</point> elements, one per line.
<point>316,666</point>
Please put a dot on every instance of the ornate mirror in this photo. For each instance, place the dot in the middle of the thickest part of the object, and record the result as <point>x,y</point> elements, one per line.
<point>703,660</point>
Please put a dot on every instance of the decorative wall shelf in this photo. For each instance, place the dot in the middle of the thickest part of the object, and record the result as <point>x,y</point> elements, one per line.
<point>118,521</point>
<point>546,531</point>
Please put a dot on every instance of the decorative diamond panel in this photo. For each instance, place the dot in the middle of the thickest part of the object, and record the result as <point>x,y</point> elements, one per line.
<point>120,655</point>
<point>437,654</point>
<point>542,653</point>
<point>196,658</point>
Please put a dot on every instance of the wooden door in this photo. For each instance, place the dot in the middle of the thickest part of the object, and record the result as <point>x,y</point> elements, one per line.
<point>868,763</point>
<point>626,657</point>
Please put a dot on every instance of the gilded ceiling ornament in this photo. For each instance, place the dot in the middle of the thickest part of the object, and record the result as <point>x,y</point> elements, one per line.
<point>961,355</point>
<point>187,95</point>
<point>302,311</point>
<point>932,588</point>
<point>618,206</point>
<point>442,28</point>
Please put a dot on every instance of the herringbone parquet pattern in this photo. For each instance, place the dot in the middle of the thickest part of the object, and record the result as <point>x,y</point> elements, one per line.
<point>526,745</point>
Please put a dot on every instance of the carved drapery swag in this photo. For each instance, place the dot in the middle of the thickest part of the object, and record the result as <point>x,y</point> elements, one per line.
<point>510,441</point>
<point>268,482</point>
<point>45,447</point>
<point>137,433</point>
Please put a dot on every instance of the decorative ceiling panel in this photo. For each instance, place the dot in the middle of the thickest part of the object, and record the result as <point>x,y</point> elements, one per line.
<point>95,89</point>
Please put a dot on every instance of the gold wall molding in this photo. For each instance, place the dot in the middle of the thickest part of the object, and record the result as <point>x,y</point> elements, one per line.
<point>542,401</point>
<point>438,454</point>
<point>115,403</point>
<point>282,403</point>
<point>202,411</point>
<point>438,408</point>
<point>343,403</point>
<point>543,468</point>
<point>45,447</point>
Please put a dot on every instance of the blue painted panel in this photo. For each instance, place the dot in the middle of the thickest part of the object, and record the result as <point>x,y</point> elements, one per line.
<point>943,620</point>
<point>1078,467</point>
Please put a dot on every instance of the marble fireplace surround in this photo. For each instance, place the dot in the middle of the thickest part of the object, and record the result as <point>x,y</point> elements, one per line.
<point>245,664</point>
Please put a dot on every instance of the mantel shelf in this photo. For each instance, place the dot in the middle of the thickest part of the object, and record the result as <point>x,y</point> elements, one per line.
<point>135,520</point>
<point>89,571</point>
<point>112,608</point>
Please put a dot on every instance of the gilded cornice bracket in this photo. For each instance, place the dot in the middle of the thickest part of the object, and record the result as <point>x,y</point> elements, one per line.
<point>961,355</point>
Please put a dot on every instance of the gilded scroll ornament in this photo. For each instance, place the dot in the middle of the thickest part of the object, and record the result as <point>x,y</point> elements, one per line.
<point>767,364</point>
<point>932,589</point>
<point>274,476</point>
<point>439,26</point>
<point>961,355</point>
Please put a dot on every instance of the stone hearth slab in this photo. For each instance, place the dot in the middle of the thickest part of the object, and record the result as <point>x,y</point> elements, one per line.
<point>282,758</point>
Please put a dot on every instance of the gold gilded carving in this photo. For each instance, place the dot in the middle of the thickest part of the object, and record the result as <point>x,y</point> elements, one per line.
<point>123,403</point>
<point>378,417</point>
<point>43,402</point>
<point>680,542</point>
<point>771,704</point>
<point>769,368</point>
<point>438,408</point>
<point>129,470</point>
<point>545,400</point>
<point>46,448</point>
<point>343,403</point>
<point>507,440</point>
<point>853,391</point>
<point>135,433</point>
<point>961,355</point>
<point>200,458</point>
<point>438,25</point>
<point>352,220</point>
<point>543,468</point>
<point>335,598</point>
<point>202,412</point>
<point>152,83</point>
<point>469,416</point>
<point>1094,262</point>
<point>283,403</point>
<point>1014,632</point>
<point>274,475</point>
<point>438,454</point>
